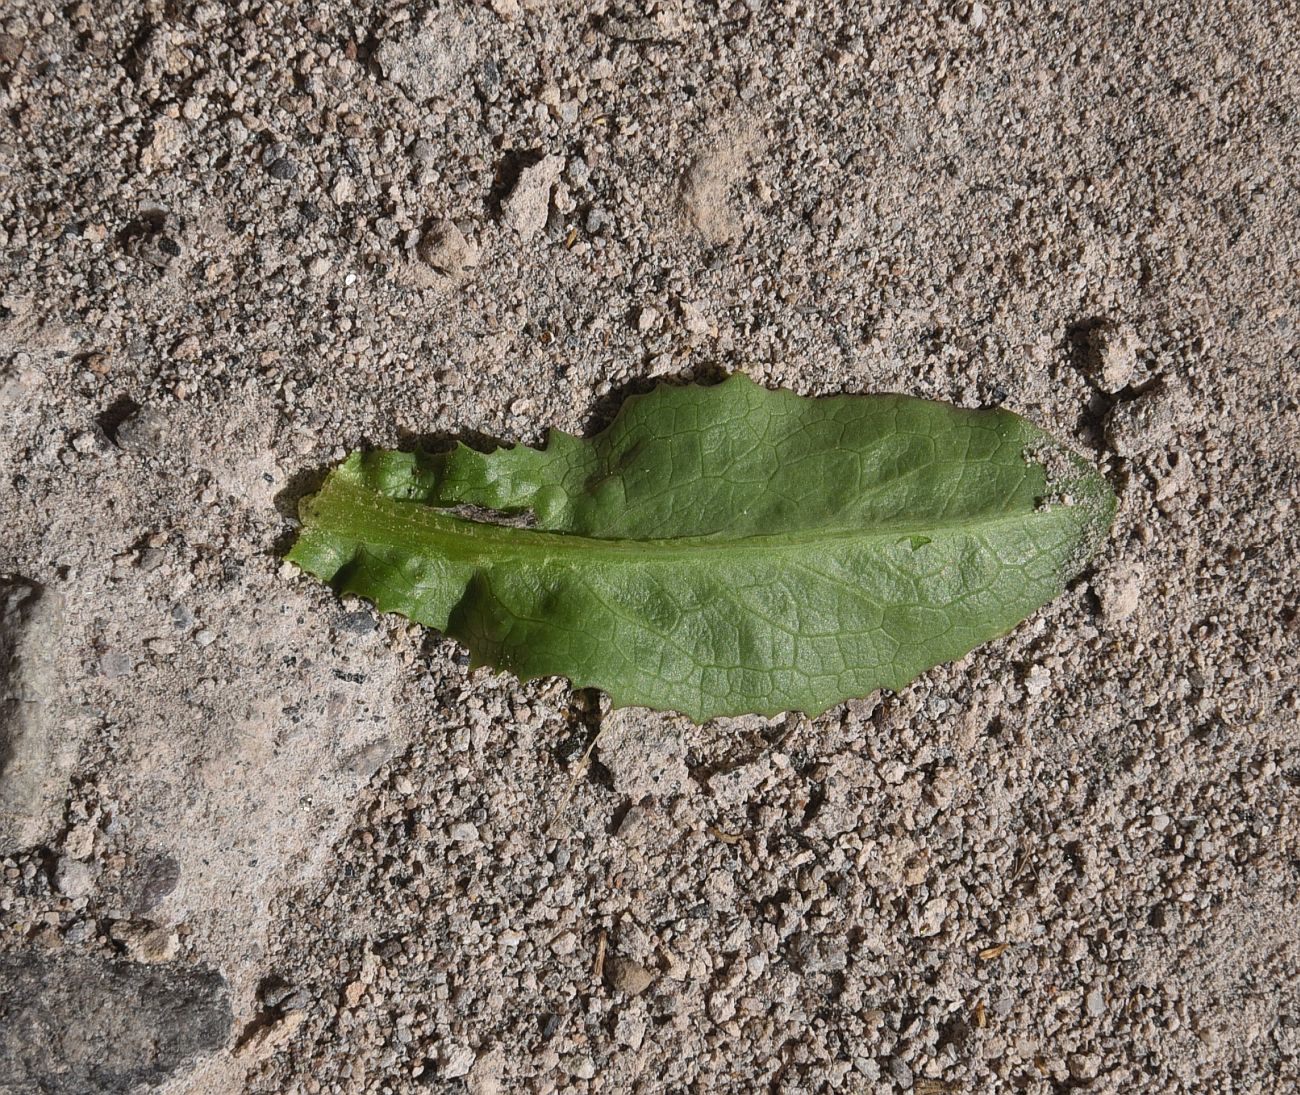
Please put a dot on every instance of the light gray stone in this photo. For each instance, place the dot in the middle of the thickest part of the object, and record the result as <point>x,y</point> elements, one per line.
<point>36,752</point>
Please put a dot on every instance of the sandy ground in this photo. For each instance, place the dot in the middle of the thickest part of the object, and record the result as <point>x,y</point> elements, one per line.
<point>258,840</point>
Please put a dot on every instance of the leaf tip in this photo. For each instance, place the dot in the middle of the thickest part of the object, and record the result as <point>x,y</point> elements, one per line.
<point>1070,482</point>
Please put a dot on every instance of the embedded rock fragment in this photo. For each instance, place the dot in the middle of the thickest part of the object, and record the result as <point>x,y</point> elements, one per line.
<point>431,61</point>
<point>1112,355</point>
<point>73,1025</point>
<point>445,248</point>
<point>525,210</point>
<point>36,753</point>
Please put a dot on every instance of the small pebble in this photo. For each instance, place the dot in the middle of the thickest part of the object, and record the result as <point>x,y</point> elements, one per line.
<point>282,170</point>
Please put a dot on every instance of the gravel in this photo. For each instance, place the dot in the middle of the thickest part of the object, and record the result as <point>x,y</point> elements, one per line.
<point>239,240</point>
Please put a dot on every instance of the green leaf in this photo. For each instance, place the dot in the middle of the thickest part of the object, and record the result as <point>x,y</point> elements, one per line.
<point>721,550</point>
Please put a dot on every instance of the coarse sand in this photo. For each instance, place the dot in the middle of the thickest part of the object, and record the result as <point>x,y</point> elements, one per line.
<point>255,838</point>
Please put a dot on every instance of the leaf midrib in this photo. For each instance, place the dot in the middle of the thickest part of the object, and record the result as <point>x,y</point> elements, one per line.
<point>358,513</point>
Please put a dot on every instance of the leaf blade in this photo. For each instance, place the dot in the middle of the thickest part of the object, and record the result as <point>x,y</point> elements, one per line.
<point>741,594</point>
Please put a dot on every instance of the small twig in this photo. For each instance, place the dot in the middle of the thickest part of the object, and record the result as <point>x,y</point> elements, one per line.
<point>579,771</point>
